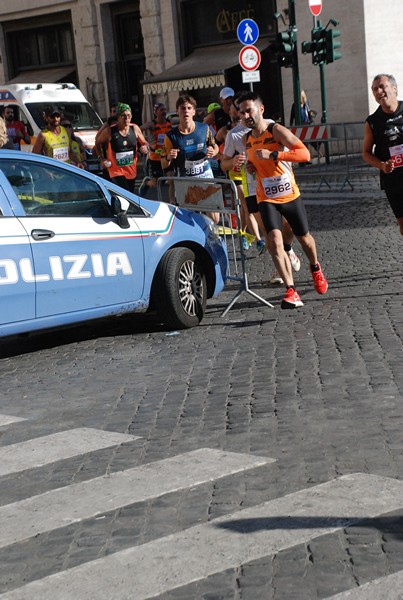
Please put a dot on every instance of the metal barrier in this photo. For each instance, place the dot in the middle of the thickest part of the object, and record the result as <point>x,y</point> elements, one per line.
<point>219,199</point>
<point>342,143</point>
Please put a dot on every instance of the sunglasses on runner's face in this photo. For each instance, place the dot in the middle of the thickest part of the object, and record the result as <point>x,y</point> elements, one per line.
<point>126,115</point>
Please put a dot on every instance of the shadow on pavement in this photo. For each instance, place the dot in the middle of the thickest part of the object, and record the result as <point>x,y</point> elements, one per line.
<point>133,324</point>
<point>390,526</point>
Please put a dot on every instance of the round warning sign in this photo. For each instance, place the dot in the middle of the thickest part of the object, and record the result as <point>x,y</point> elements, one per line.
<point>315,6</point>
<point>249,58</point>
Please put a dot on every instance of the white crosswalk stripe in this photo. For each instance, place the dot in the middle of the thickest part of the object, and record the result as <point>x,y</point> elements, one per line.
<point>384,588</point>
<point>57,446</point>
<point>60,507</point>
<point>227,542</point>
<point>9,419</point>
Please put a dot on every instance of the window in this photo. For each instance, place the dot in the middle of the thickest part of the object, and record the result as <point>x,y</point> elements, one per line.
<point>42,46</point>
<point>81,114</point>
<point>49,191</point>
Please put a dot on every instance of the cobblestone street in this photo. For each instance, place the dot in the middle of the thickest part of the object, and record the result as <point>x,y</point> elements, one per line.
<point>293,403</point>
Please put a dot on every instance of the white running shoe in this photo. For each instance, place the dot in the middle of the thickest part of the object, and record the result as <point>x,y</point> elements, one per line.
<point>275,278</point>
<point>294,260</point>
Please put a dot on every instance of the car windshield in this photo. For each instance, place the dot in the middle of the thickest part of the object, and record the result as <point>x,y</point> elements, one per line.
<point>81,114</point>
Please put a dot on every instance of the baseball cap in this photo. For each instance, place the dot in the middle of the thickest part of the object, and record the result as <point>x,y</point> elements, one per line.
<point>212,106</point>
<point>51,110</point>
<point>226,92</point>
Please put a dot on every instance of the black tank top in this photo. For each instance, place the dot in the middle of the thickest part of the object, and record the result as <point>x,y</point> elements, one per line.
<point>387,129</point>
<point>221,118</point>
<point>119,143</point>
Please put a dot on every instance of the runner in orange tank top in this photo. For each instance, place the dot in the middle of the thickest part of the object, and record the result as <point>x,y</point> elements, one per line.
<point>158,128</point>
<point>270,150</point>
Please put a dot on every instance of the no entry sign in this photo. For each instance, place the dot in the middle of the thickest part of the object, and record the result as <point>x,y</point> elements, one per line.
<point>315,6</point>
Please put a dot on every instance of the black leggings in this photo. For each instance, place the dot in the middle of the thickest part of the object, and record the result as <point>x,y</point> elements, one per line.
<point>127,184</point>
<point>293,211</point>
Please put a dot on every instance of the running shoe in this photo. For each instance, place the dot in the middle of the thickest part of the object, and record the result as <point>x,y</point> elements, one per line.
<point>319,281</point>
<point>143,189</point>
<point>261,247</point>
<point>294,260</point>
<point>245,243</point>
<point>275,278</point>
<point>291,299</point>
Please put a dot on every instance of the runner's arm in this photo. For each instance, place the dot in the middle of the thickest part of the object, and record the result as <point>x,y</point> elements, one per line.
<point>144,146</point>
<point>369,156</point>
<point>102,137</point>
<point>38,146</point>
<point>297,151</point>
<point>212,146</point>
<point>22,130</point>
<point>231,162</point>
<point>210,118</point>
<point>166,157</point>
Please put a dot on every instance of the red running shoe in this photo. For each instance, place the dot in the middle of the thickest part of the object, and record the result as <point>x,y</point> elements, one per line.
<point>291,299</point>
<point>319,281</point>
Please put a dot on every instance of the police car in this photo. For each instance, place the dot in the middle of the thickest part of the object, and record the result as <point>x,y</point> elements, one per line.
<point>75,247</point>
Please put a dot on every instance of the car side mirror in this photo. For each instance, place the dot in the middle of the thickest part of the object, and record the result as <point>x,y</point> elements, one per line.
<point>120,206</point>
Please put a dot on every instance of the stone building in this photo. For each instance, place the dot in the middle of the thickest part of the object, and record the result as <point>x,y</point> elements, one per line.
<point>143,50</point>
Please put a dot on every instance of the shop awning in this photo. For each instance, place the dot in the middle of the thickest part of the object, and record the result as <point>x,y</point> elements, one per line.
<point>203,68</point>
<point>53,75</point>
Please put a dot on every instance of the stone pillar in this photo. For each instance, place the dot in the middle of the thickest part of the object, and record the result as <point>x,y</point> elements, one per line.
<point>89,68</point>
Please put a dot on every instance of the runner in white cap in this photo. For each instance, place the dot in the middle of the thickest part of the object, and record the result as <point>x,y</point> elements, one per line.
<point>220,117</point>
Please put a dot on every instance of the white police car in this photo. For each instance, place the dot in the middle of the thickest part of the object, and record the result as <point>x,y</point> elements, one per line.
<point>76,247</point>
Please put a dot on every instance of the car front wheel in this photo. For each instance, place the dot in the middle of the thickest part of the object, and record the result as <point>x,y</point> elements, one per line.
<point>180,290</point>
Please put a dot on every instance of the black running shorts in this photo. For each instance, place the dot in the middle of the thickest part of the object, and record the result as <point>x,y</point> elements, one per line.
<point>293,211</point>
<point>395,197</point>
<point>154,169</point>
<point>251,203</point>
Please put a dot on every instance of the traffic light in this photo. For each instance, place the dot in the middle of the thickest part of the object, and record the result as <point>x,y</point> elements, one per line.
<point>284,46</point>
<point>332,44</point>
<point>317,45</point>
<point>323,44</point>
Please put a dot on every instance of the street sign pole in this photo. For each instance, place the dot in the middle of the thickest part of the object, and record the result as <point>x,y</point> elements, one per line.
<point>324,105</point>
<point>295,69</point>
<point>248,33</point>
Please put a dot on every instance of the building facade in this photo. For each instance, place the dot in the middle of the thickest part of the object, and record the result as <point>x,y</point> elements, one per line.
<point>140,51</point>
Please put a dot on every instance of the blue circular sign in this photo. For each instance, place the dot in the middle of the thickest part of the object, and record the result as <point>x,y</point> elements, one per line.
<point>247,32</point>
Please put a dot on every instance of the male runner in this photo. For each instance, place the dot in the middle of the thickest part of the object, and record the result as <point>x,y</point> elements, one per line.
<point>270,149</point>
<point>383,141</point>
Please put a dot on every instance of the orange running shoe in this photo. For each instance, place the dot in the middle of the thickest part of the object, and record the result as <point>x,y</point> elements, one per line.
<point>319,281</point>
<point>291,299</point>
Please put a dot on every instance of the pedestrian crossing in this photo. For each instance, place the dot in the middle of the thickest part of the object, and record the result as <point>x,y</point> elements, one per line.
<point>63,506</point>
<point>48,449</point>
<point>190,555</point>
<point>8,419</point>
<point>384,588</point>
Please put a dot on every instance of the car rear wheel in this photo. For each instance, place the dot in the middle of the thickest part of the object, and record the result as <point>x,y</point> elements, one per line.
<point>180,290</point>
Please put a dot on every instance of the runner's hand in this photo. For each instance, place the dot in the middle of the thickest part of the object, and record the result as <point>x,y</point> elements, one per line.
<point>262,154</point>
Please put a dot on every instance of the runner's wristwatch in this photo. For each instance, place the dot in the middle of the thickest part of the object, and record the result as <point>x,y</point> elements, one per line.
<point>274,155</point>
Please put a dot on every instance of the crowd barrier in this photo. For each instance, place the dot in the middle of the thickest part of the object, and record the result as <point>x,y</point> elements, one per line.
<point>336,150</point>
<point>217,198</point>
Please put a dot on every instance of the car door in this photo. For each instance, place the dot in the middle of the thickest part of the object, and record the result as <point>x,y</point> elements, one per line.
<point>17,296</point>
<point>81,258</point>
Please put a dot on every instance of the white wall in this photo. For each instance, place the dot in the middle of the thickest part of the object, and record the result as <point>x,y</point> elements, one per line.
<point>346,78</point>
<point>384,42</point>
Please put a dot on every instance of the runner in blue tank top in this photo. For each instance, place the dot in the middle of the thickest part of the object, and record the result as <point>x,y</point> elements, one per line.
<point>188,146</point>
